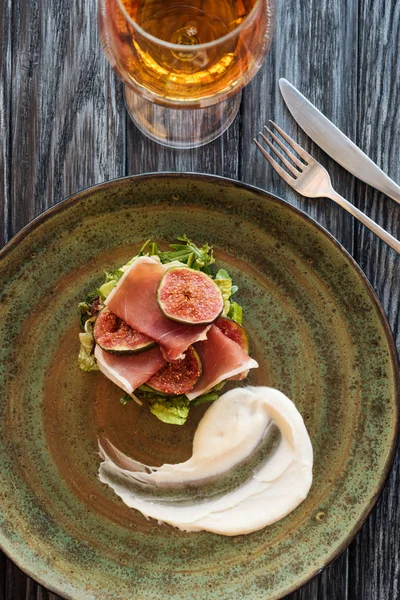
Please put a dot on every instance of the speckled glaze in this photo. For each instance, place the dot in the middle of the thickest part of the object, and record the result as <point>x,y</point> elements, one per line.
<point>315,327</point>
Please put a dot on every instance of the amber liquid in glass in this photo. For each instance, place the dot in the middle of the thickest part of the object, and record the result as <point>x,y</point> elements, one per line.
<point>179,74</point>
<point>193,22</point>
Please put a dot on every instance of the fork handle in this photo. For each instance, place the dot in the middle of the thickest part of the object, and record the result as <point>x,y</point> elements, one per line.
<point>377,229</point>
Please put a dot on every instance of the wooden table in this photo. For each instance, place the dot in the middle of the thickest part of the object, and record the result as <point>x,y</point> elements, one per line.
<point>64,127</point>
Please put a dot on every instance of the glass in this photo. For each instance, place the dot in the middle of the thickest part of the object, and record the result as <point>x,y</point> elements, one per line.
<point>184,62</point>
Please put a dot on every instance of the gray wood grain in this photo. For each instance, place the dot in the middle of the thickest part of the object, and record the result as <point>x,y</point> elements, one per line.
<point>63,127</point>
<point>315,48</point>
<point>68,126</point>
<point>5,105</point>
<point>375,554</point>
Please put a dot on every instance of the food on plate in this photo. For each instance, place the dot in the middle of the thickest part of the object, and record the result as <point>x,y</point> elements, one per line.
<point>134,299</point>
<point>129,371</point>
<point>189,297</point>
<point>178,377</point>
<point>215,370</point>
<point>114,335</point>
<point>233,331</point>
<point>251,466</point>
<point>164,329</point>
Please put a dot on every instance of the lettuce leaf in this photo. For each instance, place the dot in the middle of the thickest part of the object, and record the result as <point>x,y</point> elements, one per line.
<point>224,282</point>
<point>86,360</point>
<point>235,313</point>
<point>171,410</point>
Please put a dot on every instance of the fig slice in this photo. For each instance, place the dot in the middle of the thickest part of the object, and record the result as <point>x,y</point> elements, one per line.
<point>233,331</point>
<point>189,296</point>
<point>177,377</point>
<point>238,334</point>
<point>113,335</point>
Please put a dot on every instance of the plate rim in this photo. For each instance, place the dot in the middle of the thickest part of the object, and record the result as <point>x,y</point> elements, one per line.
<point>227,181</point>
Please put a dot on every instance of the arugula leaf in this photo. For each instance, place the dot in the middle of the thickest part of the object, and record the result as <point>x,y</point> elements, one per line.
<point>114,275</point>
<point>189,254</point>
<point>219,386</point>
<point>126,398</point>
<point>169,409</point>
<point>173,408</point>
<point>211,397</point>
<point>143,248</point>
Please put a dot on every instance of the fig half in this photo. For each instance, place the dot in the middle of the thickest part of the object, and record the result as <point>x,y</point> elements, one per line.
<point>113,335</point>
<point>234,331</point>
<point>189,296</point>
<point>177,377</point>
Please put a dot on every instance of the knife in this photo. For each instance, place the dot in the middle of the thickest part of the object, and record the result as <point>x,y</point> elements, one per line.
<point>328,137</point>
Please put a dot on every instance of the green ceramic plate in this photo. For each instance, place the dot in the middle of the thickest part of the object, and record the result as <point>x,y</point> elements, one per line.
<point>315,327</point>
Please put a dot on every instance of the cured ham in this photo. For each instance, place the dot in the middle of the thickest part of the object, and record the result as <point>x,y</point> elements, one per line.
<point>129,371</point>
<point>134,300</point>
<point>221,359</point>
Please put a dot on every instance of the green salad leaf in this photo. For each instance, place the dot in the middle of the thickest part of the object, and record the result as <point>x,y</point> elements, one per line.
<point>169,409</point>
<point>235,313</point>
<point>188,254</point>
<point>86,360</point>
<point>126,398</point>
<point>224,282</point>
<point>172,410</point>
<point>107,287</point>
<point>210,397</point>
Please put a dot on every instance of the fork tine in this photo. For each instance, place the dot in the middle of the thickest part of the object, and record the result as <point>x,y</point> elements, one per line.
<point>292,157</point>
<point>285,176</point>
<point>304,155</point>
<point>291,168</point>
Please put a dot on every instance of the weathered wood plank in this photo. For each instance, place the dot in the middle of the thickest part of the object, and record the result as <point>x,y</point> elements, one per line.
<point>375,554</point>
<point>5,106</point>
<point>3,562</point>
<point>15,583</point>
<point>315,48</point>
<point>68,126</point>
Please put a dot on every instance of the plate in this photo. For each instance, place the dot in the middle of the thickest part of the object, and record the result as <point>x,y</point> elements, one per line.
<point>315,327</point>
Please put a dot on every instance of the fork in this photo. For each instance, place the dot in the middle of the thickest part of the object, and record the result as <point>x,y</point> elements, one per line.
<point>310,179</point>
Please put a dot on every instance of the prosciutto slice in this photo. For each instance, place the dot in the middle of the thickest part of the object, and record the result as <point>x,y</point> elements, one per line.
<point>129,371</point>
<point>134,299</point>
<point>221,359</point>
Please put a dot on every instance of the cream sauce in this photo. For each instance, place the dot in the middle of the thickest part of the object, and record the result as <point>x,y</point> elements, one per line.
<point>219,489</point>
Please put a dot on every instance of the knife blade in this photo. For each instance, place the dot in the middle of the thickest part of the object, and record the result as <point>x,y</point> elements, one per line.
<point>328,137</point>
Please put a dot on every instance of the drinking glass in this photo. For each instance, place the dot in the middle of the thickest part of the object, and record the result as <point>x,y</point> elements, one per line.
<point>184,62</point>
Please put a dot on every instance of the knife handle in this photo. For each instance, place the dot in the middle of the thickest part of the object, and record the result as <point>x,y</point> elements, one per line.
<point>377,229</point>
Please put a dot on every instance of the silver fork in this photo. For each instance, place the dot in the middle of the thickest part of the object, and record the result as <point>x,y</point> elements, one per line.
<point>311,180</point>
